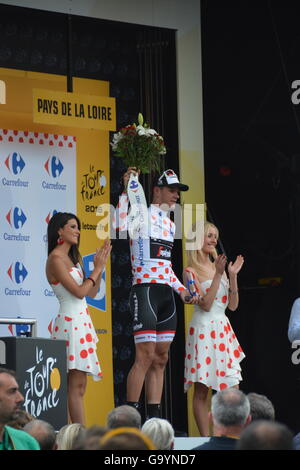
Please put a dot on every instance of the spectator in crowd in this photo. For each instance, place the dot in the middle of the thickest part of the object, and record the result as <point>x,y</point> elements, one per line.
<point>266,435</point>
<point>21,420</point>
<point>160,432</point>
<point>43,432</point>
<point>294,336</point>
<point>294,322</point>
<point>260,407</point>
<point>68,436</point>
<point>296,441</point>
<point>124,415</point>
<point>88,439</point>
<point>92,437</point>
<point>230,414</point>
<point>10,402</point>
<point>125,439</point>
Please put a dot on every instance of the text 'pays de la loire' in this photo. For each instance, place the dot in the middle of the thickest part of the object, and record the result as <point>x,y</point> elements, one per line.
<point>81,110</point>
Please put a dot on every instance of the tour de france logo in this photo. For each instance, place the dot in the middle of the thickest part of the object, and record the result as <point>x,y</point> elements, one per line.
<point>42,384</point>
<point>93,184</point>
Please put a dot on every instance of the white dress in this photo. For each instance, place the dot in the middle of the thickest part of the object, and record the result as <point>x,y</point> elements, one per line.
<point>73,324</point>
<point>213,353</point>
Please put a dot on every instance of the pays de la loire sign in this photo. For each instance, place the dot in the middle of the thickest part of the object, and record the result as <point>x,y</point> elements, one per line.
<point>2,92</point>
<point>73,109</point>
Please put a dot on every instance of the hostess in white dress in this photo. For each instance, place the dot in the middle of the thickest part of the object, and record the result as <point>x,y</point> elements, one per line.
<point>73,324</point>
<point>213,353</point>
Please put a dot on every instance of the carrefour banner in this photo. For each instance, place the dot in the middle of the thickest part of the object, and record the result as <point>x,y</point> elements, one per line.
<point>47,166</point>
<point>38,178</point>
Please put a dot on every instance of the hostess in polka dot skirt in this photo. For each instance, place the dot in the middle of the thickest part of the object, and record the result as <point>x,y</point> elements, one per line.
<point>73,324</point>
<point>213,353</point>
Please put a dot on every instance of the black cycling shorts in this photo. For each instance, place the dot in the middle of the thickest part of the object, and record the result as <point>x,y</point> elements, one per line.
<point>153,312</point>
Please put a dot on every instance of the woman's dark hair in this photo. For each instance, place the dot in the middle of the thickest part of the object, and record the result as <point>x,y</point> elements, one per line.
<point>56,222</point>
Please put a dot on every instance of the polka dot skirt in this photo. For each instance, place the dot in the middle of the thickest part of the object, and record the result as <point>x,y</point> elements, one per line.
<point>213,352</point>
<point>73,324</point>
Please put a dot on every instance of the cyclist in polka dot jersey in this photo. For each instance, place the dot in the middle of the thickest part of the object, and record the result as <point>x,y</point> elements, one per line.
<point>152,303</point>
<point>213,353</point>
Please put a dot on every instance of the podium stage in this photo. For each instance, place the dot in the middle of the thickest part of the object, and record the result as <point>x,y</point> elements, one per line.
<point>41,368</point>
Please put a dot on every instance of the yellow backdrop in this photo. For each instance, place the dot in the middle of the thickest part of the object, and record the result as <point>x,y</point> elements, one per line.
<point>92,157</point>
<point>192,173</point>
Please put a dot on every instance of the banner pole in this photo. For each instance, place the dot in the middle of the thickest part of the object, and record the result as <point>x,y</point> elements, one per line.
<point>69,56</point>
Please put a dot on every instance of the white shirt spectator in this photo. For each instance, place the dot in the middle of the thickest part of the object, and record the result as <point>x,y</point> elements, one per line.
<point>294,323</point>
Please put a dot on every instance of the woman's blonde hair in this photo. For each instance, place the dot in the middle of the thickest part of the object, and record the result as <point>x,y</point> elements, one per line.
<point>68,435</point>
<point>195,256</point>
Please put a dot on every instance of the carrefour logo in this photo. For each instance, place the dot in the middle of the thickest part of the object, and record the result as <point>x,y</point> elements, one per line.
<point>50,215</point>
<point>15,163</point>
<point>99,301</point>
<point>16,218</point>
<point>133,186</point>
<point>47,220</point>
<point>17,272</point>
<point>54,167</point>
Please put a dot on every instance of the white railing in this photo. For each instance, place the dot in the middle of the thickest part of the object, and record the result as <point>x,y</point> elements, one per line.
<point>21,321</point>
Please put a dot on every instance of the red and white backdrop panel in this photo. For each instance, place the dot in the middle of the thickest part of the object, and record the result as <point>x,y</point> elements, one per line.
<point>37,178</point>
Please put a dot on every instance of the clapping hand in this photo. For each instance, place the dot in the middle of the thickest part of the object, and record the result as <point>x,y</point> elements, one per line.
<point>234,268</point>
<point>220,264</point>
<point>102,254</point>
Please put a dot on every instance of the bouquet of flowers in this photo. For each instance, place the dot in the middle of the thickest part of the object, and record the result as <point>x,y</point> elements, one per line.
<point>139,146</point>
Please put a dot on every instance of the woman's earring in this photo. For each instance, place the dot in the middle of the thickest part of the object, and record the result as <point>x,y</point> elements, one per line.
<point>60,241</point>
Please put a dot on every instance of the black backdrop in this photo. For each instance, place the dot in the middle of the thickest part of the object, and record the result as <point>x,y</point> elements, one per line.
<point>250,57</point>
<point>251,140</point>
<point>140,64</point>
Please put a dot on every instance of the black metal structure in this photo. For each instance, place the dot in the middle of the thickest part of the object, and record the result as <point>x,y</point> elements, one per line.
<point>251,141</point>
